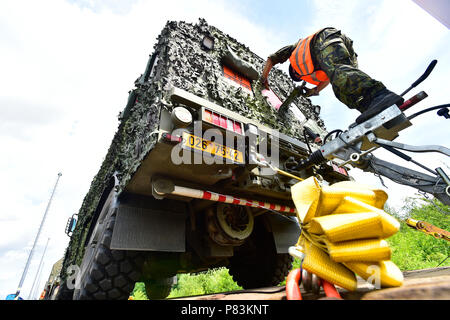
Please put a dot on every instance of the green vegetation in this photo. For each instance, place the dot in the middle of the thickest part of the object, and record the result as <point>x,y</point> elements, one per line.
<point>139,292</point>
<point>208,282</point>
<point>411,250</point>
<point>211,281</point>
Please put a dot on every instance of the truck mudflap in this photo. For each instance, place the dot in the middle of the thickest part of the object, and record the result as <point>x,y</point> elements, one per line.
<point>146,224</point>
<point>286,231</point>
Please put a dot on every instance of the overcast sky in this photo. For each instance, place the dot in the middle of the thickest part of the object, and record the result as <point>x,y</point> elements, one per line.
<point>66,68</point>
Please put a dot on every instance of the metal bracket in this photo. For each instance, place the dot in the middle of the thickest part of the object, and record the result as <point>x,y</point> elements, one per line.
<point>407,147</point>
<point>161,187</point>
<point>385,125</point>
<point>297,91</point>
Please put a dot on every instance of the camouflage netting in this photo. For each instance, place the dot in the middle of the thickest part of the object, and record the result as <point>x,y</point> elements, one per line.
<point>184,64</point>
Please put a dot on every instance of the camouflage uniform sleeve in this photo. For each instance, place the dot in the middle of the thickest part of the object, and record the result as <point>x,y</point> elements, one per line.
<point>283,54</point>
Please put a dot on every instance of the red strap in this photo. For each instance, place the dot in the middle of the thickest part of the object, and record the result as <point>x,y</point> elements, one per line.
<point>292,286</point>
<point>330,290</point>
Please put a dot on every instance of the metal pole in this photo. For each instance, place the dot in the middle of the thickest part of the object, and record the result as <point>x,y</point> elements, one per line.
<point>36,289</point>
<point>36,239</point>
<point>38,270</point>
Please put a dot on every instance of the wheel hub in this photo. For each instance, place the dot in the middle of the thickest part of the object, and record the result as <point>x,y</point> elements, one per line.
<point>229,225</point>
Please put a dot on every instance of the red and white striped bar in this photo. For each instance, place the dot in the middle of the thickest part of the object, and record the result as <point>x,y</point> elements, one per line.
<point>207,195</point>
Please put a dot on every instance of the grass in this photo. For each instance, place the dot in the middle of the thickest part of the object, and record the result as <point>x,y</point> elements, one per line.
<point>208,282</point>
<point>411,250</point>
<point>211,281</point>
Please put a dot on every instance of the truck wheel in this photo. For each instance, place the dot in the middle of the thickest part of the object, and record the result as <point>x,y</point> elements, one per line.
<point>256,264</point>
<point>63,293</point>
<point>158,288</point>
<point>107,274</point>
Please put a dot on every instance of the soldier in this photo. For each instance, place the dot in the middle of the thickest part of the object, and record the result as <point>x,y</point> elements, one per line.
<point>328,57</point>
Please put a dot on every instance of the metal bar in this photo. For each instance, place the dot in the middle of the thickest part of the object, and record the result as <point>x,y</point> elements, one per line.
<point>443,175</point>
<point>279,171</point>
<point>407,147</point>
<point>294,94</point>
<point>405,157</point>
<point>36,239</point>
<point>212,196</point>
<point>36,289</point>
<point>422,77</point>
<point>423,167</point>
<point>38,271</point>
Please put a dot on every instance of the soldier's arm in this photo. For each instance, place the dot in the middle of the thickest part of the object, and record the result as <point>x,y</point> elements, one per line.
<point>280,56</point>
<point>265,74</point>
<point>283,54</point>
<point>321,86</point>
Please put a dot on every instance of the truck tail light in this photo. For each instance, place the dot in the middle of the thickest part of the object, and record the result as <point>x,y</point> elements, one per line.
<point>237,127</point>
<point>230,124</point>
<point>222,121</point>
<point>216,119</point>
<point>207,116</point>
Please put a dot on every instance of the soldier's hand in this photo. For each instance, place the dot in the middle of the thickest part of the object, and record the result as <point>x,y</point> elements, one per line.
<point>264,83</point>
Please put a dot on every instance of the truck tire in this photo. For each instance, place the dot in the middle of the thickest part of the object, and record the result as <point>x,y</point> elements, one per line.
<point>107,274</point>
<point>63,293</point>
<point>159,288</point>
<point>257,264</point>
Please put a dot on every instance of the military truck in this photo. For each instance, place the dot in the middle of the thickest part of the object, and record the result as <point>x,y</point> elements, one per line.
<point>190,181</point>
<point>53,282</point>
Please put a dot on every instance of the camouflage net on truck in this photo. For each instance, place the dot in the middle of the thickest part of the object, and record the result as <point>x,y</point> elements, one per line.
<point>180,61</point>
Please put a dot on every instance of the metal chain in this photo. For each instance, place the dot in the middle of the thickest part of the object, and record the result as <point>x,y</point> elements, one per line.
<point>427,198</point>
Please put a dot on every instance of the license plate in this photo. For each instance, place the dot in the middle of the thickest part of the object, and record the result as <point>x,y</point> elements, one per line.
<point>212,148</point>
